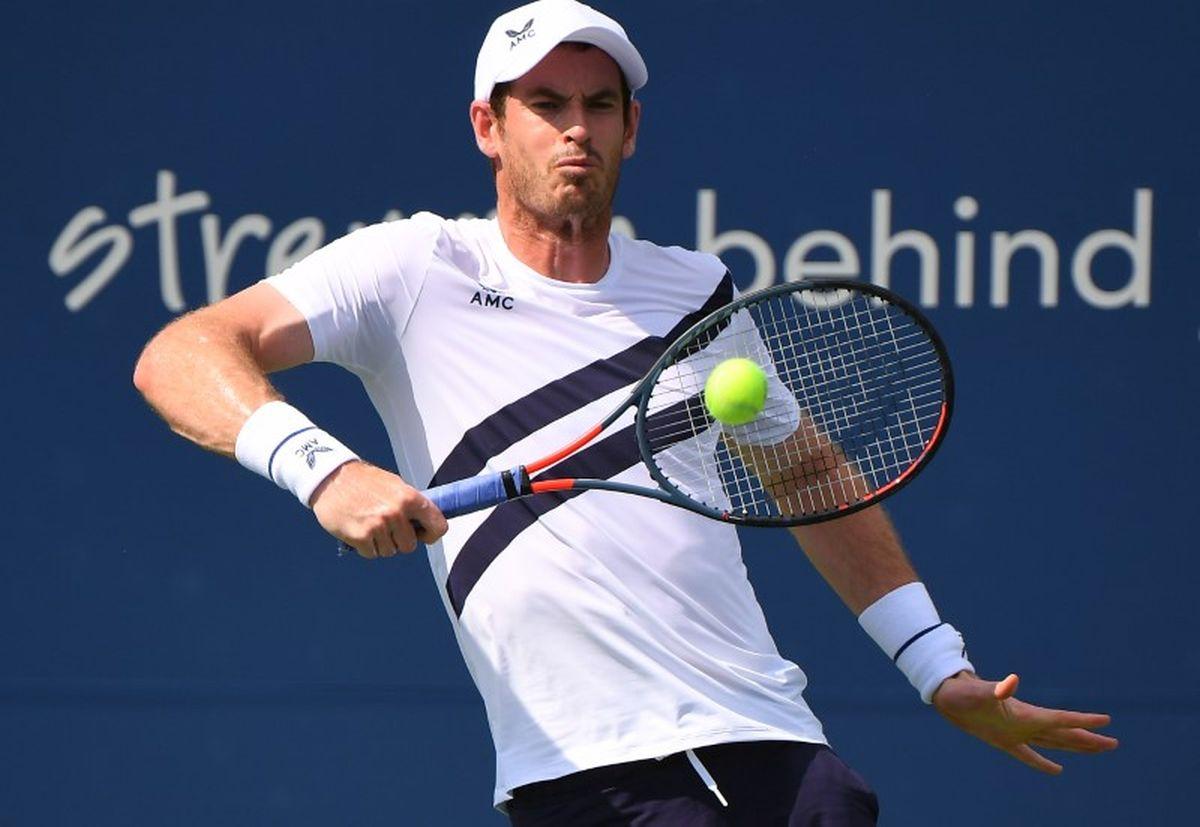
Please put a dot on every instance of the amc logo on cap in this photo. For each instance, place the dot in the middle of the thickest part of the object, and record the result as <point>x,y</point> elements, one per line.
<point>525,33</point>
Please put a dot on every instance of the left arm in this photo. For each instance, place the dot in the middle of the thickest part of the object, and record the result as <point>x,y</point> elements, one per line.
<point>861,558</point>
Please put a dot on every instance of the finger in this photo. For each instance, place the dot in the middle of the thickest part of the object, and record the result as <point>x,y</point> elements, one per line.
<point>1086,720</point>
<point>404,535</point>
<point>386,543</point>
<point>1026,755</point>
<point>1006,688</point>
<point>1060,718</point>
<point>365,549</point>
<point>431,523</point>
<point>1075,740</point>
<point>400,534</point>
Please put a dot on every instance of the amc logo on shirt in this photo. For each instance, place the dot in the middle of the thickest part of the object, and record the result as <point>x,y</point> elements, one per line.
<point>490,298</point>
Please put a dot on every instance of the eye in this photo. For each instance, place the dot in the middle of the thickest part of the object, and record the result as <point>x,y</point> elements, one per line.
<point>544,106</point>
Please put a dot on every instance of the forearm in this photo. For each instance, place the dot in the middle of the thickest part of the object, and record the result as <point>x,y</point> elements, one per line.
<point>861,558</point>
<point>859,555</point>
<point>201,375</point>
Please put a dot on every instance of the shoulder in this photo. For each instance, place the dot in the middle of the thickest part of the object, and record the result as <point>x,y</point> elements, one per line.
<point>376,247</point>
<point>410,244</point>
<point>421,229</point>
<point>670,263</point>
<point>640,252</point>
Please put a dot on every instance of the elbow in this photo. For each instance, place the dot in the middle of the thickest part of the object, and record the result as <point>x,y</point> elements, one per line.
<point>144,371</point>
<point>151,371</point>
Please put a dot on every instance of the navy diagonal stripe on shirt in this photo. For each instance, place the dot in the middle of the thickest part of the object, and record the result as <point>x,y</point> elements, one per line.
<point>605,458</point>
<point>552,401</point>
<point>600,460</point>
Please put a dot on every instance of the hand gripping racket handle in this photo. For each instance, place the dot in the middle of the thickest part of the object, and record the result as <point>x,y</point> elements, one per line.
<point>473,494</point>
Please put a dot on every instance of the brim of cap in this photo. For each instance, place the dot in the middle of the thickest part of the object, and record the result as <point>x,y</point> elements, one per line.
<point>617,47</point>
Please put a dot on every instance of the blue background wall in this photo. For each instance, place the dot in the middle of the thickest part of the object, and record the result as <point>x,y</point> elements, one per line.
<point>181,645</point>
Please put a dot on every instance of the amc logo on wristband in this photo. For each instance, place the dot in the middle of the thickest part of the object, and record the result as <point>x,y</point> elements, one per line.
<point>309,450</point>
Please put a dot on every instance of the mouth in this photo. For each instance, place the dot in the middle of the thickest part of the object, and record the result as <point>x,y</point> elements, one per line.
<point>581,162</point>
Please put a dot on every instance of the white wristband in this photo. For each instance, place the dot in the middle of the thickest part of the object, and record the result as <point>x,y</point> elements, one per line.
<point>283,445</point>
<point>908,629</point>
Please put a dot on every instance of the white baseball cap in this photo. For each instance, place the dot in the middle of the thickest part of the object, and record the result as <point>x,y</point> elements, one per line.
<point>519,39</point>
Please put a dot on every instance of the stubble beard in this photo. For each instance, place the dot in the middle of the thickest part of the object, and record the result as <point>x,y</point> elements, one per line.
<point>558,200</point>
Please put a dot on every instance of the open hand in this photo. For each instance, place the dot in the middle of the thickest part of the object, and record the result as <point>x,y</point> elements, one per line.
<point>988,710</point>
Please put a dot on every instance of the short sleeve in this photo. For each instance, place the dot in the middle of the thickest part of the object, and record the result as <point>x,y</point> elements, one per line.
<point>358,292</point>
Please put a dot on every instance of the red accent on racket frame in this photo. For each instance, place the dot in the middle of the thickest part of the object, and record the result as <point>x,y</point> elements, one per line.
<point>552,485</point>
<point>933,440</point>
<point>566,451</point>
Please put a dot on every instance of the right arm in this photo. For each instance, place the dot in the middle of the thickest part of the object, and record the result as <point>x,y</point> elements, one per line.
<point>206,373</point>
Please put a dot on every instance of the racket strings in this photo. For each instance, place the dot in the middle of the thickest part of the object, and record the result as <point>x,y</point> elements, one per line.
<point>855,393</point>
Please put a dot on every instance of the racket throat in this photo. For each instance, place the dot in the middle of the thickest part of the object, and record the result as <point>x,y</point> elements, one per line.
<point>516,482</point>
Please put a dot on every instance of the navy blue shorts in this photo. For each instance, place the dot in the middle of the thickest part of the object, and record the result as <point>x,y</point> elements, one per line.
<point>767,784</point>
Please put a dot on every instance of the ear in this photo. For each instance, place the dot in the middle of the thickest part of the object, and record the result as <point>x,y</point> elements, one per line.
<point>631,128</point>
<point>486,127</point>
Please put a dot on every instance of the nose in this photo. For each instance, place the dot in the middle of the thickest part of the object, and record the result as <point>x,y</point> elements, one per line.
<point>577,134</point>
<point>576,128</point>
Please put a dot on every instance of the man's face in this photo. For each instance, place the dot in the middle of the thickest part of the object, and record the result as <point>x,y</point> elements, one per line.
<point>564,134</point>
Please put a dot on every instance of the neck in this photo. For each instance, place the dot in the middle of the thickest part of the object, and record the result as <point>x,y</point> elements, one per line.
<point>572,249</point>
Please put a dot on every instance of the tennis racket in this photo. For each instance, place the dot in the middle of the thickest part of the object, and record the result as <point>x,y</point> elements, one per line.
<point>860,392</point>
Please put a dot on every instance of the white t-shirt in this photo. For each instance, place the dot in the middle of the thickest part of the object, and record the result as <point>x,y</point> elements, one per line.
<point>599,628</point>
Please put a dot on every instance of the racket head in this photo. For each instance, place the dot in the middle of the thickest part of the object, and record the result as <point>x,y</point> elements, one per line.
<point>861,394</point>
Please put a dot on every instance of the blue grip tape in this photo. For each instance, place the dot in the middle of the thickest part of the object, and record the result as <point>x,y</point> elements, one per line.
<point>465,496</point>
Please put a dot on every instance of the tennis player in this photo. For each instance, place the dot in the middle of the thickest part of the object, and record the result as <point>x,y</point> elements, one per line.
<point>626,667</point>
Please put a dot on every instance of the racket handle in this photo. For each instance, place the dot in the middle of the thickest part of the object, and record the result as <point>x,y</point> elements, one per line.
<point>477,493</point>
<point>473,494</point>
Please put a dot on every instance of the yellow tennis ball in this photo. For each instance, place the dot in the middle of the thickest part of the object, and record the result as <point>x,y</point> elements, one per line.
<point>735,391</point>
